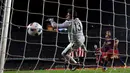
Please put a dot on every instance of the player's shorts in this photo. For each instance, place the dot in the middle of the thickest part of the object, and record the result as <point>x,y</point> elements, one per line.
<point>104,54</point>
<point>110,54</point>
<point>111,51</point>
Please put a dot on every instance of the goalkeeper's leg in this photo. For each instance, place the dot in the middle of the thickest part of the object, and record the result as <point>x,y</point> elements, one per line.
<point>67,57</point>
<point>66,52</point>
<point>84,47</point>
<point>81,43</point>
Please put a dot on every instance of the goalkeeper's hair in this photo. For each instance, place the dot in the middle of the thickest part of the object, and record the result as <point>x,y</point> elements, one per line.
<point>73,13</point>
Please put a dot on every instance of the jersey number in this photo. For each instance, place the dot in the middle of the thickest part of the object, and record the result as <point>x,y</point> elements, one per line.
<point>77,26</point>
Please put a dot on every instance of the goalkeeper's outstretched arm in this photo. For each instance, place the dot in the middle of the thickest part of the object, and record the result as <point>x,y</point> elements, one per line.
<point>62,25</point>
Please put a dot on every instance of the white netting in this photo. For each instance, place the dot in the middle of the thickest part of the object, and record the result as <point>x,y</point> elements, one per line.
<point>25,52</point>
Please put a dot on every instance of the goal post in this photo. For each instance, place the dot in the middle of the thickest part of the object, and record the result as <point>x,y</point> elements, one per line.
<point>5,25</point>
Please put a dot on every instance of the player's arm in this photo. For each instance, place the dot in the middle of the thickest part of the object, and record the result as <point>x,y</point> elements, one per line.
<point>62,25</point>
<point>103,45</point>
<point>116,42</point>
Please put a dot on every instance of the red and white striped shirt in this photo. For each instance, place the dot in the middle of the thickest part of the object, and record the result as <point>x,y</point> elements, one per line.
<point>78,53</point>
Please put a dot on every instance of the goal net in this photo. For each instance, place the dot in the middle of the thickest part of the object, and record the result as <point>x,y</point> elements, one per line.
<point>25,52</point>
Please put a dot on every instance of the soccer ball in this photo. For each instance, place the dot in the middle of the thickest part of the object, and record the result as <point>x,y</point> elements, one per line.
<point>34,29</point>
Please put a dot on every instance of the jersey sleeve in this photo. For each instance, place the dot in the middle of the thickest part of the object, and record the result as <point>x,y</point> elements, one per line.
<point>62,25</point>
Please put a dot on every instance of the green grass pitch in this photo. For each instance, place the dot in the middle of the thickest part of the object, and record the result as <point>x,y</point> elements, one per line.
<point>87,70</point>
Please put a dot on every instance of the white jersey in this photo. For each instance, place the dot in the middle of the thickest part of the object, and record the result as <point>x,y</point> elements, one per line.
<point>75,28</point>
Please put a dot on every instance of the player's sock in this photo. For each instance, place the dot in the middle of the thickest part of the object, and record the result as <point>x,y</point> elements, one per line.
<point>81,60</point>
<point>105,64</point>
<point>122,62</point>
<point>65,65</point>
<point>114,66</point>
<point>101,63</point>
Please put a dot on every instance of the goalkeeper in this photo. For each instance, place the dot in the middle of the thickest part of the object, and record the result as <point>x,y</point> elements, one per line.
<point>75,35</point>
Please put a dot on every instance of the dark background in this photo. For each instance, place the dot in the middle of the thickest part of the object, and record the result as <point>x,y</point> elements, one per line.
<point>97,16</point>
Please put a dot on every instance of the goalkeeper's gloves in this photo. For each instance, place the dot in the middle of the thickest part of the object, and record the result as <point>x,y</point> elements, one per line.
<point>50,19</point>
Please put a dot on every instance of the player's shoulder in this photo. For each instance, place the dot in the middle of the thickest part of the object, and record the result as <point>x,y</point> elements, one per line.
<point>77,20</point>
